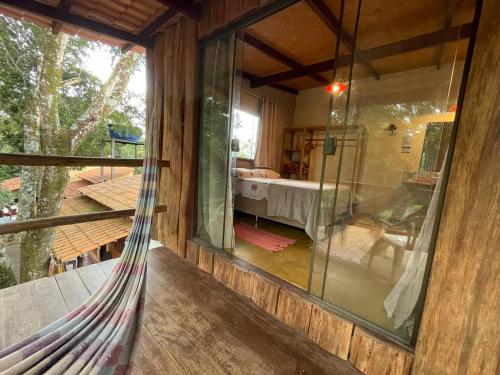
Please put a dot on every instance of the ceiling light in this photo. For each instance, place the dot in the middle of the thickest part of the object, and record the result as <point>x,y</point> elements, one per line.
<point>336,88</point>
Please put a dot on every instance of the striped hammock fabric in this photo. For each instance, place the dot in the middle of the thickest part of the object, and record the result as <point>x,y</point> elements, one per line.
<point>98,337</point>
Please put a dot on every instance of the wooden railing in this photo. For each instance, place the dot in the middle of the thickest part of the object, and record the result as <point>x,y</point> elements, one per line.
<point>71,161</point>
<point>78,161</point>
<point>56,221</point>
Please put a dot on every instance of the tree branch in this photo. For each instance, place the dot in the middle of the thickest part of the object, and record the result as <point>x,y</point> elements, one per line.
<point>105,102</point>
<point>70,82</point>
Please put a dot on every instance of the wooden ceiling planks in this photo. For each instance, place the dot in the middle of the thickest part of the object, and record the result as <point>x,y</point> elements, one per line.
<point>123,23</point>
<point>298,33</point>
<point>388,35</point>
<point>258,63</point>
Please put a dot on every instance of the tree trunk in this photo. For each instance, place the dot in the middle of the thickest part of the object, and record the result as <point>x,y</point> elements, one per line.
<point>42,191</point>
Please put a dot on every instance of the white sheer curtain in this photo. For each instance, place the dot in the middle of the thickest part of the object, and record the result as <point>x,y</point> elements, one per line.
<point>401,301</point>
<point>265,155</point>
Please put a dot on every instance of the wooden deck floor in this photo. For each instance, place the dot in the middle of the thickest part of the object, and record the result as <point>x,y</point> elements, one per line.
<point>192,324</point>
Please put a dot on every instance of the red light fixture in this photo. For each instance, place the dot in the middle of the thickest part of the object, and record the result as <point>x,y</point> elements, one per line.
<point>336,88</point>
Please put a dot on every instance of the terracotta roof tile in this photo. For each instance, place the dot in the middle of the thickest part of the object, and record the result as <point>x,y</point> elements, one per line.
<point>116,194</point>
<point>76,239</point>
<point>71,190</point>
<point>12,184</point>
<point>94,175</point>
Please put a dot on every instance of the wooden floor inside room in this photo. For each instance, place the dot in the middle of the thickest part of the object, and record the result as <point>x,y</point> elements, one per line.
<point>291,264</point>
<point>192,324</point>
<point>358,288</point>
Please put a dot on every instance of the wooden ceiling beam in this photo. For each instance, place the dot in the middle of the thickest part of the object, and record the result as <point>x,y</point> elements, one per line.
<point>279,56</point>
<point>391,49</point>
<point>152,27</point>
<point>450,10</point>
<point>277,86</point>
<point>65,6</point>
<point>187,8</point>
<point>57,14</point>
<point>329,19</point>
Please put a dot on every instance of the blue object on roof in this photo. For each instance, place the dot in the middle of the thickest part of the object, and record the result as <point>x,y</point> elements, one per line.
<point>123,137</point>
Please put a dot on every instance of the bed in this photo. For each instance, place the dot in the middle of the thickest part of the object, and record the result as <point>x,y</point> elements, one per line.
<point>291,202</point>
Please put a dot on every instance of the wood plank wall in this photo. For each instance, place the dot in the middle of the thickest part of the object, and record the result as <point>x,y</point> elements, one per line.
<point>369,354</point>
<point>460,331</point>
<point>175,66</point>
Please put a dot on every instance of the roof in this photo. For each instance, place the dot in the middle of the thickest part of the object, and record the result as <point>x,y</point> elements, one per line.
<point>116,194</point>
<point>93,175</point>
<point>71,190</point>
<point>76,239</point>
<point>12,184</point>
<point>115,22</point>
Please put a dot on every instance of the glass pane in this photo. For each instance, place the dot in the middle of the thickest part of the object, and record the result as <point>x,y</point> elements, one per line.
<point>214,167</point>
<point>329,210</point>
<point>392,150</point>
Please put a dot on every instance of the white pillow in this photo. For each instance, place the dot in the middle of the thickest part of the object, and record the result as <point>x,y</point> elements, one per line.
<point>266,173</point>
<point>246,173</point>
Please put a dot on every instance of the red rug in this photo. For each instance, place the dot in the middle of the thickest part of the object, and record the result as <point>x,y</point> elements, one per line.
<point>261,238</point>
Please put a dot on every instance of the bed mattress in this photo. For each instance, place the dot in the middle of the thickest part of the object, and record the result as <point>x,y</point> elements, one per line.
<point>296,200</point>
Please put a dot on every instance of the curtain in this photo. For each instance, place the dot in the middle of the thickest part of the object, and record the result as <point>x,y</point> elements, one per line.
<point>213,167</point>
<point>98,337</point>
<point>266,153</point>
<point>401,301</point>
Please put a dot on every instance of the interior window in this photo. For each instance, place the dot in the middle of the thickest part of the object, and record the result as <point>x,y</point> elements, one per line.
<point>246,131</point>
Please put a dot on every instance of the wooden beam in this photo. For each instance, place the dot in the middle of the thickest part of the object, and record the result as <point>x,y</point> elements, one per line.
<point>152,27</point>
<point>391,49</point>
<point>252,78</point>
<point>460,330</point>
<point>57,14</point>
<point>56,221</point>
<point>278,56</point>
<point>329,19</point>
<point>49,160</point>
<point>450,9</point>
<point>188,8</point>
<point>65,6</point>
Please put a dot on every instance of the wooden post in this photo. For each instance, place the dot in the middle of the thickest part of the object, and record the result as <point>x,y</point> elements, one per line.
<point>460,329</point>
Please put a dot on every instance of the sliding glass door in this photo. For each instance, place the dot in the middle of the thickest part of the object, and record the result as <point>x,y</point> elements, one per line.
<point>218,97</point>
<point>380,190</point>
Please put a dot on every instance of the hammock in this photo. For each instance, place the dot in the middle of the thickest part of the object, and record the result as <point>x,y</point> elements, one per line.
<point>98,336</point>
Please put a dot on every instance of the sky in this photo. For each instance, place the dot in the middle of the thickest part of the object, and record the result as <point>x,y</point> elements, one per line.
<point>99,62</point>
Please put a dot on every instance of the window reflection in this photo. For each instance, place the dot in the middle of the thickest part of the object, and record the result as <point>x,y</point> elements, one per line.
<point>372,263</point>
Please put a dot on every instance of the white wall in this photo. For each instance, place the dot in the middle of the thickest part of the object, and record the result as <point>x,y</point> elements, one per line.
<point>374,105</point>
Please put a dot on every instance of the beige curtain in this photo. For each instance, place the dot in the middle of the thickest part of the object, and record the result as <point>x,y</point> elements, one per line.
<point>266,153</point>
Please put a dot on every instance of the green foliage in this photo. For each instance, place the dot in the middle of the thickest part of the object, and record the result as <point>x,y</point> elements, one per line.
<point>121,123</point>
<point>21,47</point>
<point>6,197</point>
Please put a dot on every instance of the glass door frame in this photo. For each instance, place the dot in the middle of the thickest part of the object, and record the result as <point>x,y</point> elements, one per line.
<point>277,6</point>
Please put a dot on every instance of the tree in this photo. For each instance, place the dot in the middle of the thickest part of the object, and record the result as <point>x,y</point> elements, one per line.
<point>55,120</point>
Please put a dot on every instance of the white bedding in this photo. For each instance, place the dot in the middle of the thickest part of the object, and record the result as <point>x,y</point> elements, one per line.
<point>255,187</point>
<point>297,200</point>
